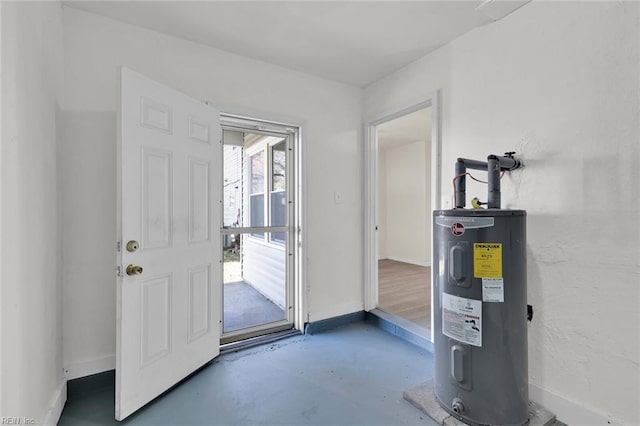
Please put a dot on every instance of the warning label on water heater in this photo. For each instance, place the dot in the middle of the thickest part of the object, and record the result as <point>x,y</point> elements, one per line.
<point>462,319</point>
<point>492,290</point>
<point>487,260</point>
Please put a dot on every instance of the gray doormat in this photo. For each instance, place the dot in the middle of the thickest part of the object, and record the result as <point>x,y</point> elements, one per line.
<point>424,398</point>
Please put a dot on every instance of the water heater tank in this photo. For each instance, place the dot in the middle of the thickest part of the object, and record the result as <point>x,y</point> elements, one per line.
<point>480,315</point>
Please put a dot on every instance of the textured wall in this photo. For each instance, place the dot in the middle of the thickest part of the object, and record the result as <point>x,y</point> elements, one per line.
<point>558,82</point>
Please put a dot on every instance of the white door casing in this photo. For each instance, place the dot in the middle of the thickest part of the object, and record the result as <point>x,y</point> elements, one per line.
<point>432,100</point>
<point>169,167</point>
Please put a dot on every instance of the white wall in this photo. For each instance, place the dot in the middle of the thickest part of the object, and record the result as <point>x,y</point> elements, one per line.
<point>332,137</point>
<point>407,203</point>
<point>381,205</point>
<point>558,83</point>
<point>31,378</point>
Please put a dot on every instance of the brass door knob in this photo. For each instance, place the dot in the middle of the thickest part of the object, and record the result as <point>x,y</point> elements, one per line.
<point>134,270</point>
<point>132,246</point>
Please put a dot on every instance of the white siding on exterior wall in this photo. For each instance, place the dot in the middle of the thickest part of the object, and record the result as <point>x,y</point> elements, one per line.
<point>264,267</point>
<point>263,262</point>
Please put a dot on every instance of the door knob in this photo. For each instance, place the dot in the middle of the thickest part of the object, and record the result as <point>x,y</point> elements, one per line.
<point>134,270</point>
<point>132,246</point>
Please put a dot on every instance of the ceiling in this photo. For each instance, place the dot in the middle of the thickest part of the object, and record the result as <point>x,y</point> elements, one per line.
<point>410,128</point>
<point>354,42</point>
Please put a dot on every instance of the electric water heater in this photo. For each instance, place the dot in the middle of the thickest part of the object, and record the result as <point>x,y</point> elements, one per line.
<point>480,305</point>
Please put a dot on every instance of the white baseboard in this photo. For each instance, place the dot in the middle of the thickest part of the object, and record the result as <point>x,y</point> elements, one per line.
<point>87,368</point>
<point>567,411</point>
<point>409,261</point>
<point>56,405</point>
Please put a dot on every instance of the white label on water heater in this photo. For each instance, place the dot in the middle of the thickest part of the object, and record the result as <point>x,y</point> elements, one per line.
<point>492,290</point>
<point>462,319</point>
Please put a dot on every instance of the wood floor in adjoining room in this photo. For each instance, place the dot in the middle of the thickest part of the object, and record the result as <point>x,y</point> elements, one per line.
<point>405,290</point>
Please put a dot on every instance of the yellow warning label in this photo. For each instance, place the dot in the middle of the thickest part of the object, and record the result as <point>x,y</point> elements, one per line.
<point>487,260</point>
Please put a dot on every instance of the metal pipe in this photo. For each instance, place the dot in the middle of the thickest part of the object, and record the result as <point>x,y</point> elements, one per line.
<point>493,166</point>
<point>473,164</point>
<point>508,163</point>
<point>493,181</point>
<point>460,184</point>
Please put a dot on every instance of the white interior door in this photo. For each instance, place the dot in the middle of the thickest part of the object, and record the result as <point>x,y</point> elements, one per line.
<point>169,160</point>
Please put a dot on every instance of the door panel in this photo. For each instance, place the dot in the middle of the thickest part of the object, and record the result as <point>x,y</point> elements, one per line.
<point>168,322</point>
<point>199,306</point>
<point>199,201</point>
<point>156,318</point>
<point>156,198</point>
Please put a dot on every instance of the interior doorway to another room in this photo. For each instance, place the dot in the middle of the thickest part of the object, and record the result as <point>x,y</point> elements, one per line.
<point>257,231</point>
<point>403,213</point>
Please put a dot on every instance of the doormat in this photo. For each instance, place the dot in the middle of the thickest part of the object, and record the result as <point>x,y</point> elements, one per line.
<point>424,398</point>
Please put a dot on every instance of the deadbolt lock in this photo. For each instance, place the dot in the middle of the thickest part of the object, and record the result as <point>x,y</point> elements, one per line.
<point>132,246</point>
<point>134,270</point>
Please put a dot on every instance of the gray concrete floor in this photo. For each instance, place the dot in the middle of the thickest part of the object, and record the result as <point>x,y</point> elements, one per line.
<point>351,375</point>
<point>244,306</point>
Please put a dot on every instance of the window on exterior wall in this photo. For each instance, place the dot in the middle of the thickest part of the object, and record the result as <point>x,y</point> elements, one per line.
<point>232,189</point>
<point>268,195</point>
<point>257,191</point>
<point>278,189</point>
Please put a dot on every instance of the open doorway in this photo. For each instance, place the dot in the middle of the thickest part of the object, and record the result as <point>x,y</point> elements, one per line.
<point>403,212</point>
<point>403,188</point>
<point>257,231</point>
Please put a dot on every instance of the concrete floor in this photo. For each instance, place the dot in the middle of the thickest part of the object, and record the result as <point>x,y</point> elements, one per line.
<point>244,306</point>
<point>350,375</point>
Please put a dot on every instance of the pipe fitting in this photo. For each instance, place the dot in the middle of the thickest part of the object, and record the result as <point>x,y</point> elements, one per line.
<point>457,406</point>
<point>494,166</point>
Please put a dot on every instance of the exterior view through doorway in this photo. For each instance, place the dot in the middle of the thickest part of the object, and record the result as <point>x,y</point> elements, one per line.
<point>403,170</point>
<point>195,213</point>
<point>258,232</point>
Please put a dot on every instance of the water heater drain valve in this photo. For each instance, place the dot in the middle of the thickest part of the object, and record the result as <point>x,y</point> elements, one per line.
<point>457,406</point>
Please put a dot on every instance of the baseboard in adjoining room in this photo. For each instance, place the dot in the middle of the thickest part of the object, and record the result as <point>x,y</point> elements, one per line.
<point>409,261</point>
<point>88,368</point>
<point>54,411</point>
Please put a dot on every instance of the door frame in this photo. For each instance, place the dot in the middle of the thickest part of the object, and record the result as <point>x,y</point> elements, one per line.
<point>296,267</point>
<point>432,100</point>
